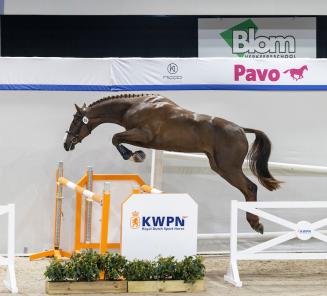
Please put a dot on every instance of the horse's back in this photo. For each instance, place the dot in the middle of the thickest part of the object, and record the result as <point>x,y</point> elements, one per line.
<point>157,99</point>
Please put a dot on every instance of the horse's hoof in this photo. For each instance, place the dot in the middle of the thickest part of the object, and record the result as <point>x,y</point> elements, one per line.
<point>259,228</point>
<point>138,156</point>
<point>126,156</point>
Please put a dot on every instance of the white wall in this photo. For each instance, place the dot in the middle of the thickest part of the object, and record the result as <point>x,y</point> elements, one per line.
<point>158,7</point>
<point>33,124</point>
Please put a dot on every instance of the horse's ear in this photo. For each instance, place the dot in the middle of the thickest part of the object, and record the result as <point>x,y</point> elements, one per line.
<point>78,109</point>
<point>84,106</point>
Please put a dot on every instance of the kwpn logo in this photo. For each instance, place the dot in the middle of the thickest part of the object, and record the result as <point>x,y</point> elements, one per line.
<point>135,220</point>
<point>245,42</point>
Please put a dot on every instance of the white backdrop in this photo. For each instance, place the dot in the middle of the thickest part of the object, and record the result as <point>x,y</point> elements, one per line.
<point>33,124</point>
<point>157,7</point>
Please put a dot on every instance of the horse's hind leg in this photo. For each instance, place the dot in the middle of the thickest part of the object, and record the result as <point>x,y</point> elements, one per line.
<point>133,136</point>
<point>233,174</point>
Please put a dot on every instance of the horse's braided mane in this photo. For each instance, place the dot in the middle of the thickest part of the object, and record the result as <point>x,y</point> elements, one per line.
<point>124,96</point>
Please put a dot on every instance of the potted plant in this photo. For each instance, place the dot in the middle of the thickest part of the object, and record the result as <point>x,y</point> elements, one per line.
<point>83,271</point>
<point>166,274</point>
<point>81,274</point>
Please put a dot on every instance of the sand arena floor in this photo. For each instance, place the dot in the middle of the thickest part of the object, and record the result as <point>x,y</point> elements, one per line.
<point>280,278</point>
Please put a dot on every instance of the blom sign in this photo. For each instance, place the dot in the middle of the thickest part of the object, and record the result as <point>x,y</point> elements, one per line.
<point>159,224</point>
<point>257,37</point>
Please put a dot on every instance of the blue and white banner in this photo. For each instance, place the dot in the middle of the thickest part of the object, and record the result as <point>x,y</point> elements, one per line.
<point>219,74</point>
<point>65,74</point>
<point>160,74</point>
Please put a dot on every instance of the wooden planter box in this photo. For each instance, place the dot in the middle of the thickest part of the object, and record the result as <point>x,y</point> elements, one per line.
<point>86,287</point>
<point>167,286</point>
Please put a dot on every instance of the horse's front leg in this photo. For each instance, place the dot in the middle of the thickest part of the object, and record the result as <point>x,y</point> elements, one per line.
<point>134,136</point>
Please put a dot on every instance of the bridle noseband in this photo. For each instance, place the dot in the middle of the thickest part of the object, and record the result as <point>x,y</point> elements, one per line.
<point>84,121</point>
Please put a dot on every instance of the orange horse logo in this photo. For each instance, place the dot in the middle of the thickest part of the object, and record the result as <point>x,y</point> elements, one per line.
<point>135,220</point>
<point>297,74</point>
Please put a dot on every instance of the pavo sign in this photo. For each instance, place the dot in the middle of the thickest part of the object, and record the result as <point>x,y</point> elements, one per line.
<point>258,37</point>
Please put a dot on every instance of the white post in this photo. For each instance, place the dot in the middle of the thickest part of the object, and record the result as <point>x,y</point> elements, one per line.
<point>232,275</point>
<point>10,281</point>
<point>156,169</point>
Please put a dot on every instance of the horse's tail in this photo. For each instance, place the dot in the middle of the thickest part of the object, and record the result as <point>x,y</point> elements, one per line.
<point>258,159</point>
<point>287,71</point>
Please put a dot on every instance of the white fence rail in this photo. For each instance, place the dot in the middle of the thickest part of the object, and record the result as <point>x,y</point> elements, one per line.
<point>302,230</point>
<point>159,156</point>
<point>9,260</point>
<point>157,171</point>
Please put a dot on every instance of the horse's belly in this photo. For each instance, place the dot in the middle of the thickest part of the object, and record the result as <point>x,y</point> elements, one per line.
<point>179,141</point>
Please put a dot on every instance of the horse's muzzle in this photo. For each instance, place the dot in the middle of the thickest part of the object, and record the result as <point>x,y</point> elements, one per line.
<point>69,147</point>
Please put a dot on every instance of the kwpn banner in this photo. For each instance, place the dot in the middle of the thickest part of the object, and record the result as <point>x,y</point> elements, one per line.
<point>219,74</point>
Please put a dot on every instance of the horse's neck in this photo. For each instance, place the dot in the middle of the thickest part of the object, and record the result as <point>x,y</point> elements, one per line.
<point>111,111</point>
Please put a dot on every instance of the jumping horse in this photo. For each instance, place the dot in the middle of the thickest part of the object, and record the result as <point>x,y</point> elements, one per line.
<point>156,122</point>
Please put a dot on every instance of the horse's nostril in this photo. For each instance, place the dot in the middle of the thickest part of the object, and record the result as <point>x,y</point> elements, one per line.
<point>66,147</point>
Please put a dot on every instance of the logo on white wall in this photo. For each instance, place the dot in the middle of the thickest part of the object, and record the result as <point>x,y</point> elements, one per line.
<point>157,223</point>
<point>295,73</point>
<point>265,74</point>
<point>246,40</point>
<point>172,70</point>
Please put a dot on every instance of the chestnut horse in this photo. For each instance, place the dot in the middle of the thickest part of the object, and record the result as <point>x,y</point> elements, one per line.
<point>153,121</point>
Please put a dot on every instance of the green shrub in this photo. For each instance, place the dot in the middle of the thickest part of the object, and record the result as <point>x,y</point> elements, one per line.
<point>191,269</point>
<point>84,266</point>
<point>56,271</point>
<point>114,266</point>
<point>166,268</point>
<point>140,270</point>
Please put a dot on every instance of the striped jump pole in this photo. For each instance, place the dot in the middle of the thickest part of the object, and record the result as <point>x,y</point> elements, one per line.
<point>58,209</point>
<point>149,189</point>
<point>88,207</point>
<point>87,193</point>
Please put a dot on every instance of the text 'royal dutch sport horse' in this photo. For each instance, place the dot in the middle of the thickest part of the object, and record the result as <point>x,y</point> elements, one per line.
<point>153,121</point>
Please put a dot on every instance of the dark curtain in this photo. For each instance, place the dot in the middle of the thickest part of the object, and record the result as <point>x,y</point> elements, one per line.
<point>99,36</point>
<point>110,36</point>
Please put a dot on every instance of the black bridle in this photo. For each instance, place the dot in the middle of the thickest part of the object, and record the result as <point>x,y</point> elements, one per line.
<point>75,138</point>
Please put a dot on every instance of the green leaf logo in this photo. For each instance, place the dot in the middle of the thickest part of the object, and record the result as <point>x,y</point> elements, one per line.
<point>244,26</point>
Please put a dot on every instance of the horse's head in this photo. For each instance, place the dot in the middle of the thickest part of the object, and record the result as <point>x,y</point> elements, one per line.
<point>305,67</point>
<point>79,128</point>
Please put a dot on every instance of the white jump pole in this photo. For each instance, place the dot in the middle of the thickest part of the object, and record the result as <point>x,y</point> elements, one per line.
<point>157,170</point>
<point>273,166</point>
<point>10,281</point>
